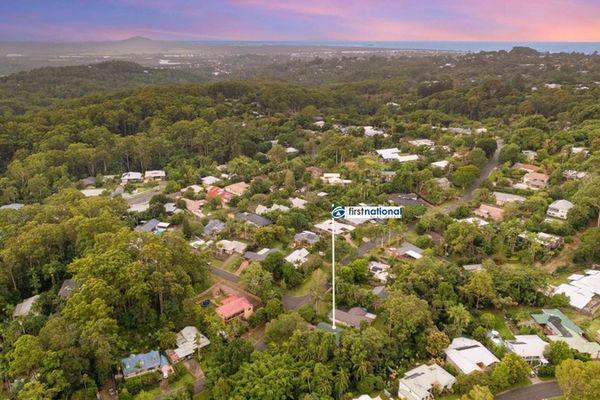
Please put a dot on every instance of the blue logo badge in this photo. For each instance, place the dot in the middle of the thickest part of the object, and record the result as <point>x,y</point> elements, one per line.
<point>338,212</point>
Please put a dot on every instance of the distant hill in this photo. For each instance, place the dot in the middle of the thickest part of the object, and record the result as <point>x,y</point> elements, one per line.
<point>74,81</point>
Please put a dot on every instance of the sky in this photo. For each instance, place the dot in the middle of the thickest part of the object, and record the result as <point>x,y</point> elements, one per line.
<point>301,20</point>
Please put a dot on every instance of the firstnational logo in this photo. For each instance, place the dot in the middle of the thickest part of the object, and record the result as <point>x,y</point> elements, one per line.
<point>366,212</point>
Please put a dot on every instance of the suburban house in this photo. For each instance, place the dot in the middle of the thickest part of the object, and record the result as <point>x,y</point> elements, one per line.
<point>530,155</point>
<point>333,178</point>
<point>379,270</point>
<point>233,307</point>
<point>583,291</point>
<point>574,175</point>
<point>24,308</point>
<point>418,383</point>
<point>548,241</point>
<point>443,183</point>
<point>536,180</point>
<point>12,206</point>
<point>526,167</point>
<point>297,202</point>
<point>327,226</point>
<point>468,355</point>
<point>529,347</point>
<point>153,226</point>
<point>473,267</point>
<point>67,287</point>
<point>372,131</point>
<point>443,164</point>
<point>260,209</point>
<point>380,292</point>
<point>558,327</point>
<point>231,246</point>
<point>367,397</point>
<point>215,191</point>
<point>188,340</point>
<point>489,212</point>
<point>353,317</point>
<point>291,151</point>
<point>129,177</point>
<point>393,154</point>
<point>155,175</point>
<point>92,192</point>
<point>195,206</point>
<point>193,188</point>
<point>237,189</point>
<point>387,176</point>
<point>143,363</point>
<point>422,143</point>
<point>210,180</point>
<point>407,250</point>
<point>580,150</point>
<point>306,237</point>
<point>315,172</point>
<point>213,227</point>
<point>259,256</point>
<point>475,221</point>
<point>507,198</point>
<point>559,209</point>
<point>253,219</point>
<point>297,257</point>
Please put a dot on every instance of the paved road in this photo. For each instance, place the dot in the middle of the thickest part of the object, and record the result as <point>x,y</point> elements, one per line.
<point>485,173</point>
<point>145,196</point>
<point>538,391</point>
<point>221,273</point>
<point>294,303</point>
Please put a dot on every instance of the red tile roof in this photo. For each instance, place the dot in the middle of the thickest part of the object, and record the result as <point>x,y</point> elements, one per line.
<point>233,305</point>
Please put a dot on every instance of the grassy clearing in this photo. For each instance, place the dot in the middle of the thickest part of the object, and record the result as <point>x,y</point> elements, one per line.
<point>501,327</point>
<point>232,263</point>
<point>308,284</point>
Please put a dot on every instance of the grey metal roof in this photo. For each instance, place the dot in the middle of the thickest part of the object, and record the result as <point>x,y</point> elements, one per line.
<point>149,226</point>
<point>139,363</point>
<point>67,287</point>
<point>253,218</point>
<point>214,226</point>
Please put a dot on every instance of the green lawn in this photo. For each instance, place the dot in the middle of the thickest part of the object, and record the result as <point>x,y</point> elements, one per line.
<point>308,284</point>
<point>184,380</point>
<point>501,327</point>
<point>233,263</point>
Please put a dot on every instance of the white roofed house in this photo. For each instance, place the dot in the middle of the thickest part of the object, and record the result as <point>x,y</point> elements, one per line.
<point>418,383</point>
<point>25,307</point>
<point>393,154</point>
<point>583,291</point>
<point>210,180</point>
<point>443,164</point>
<point>156,175</point>
<point>333,178</point>
<point>188,340</point>
<point>231,246</point>
<point>297,202</point>
<point>468,355</point>
<point>422,143</point>
<point>372,131</point>
<point>327,226</point>
<point>260,209</point>
<point>130,176</point>
<point>297,257</point>
<point>559,209</point>
<point>529,347</point>
<point>379,270</point>
<point>506,198</point>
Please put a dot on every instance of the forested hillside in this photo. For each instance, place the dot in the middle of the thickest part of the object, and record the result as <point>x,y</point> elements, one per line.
<point>136,289</point>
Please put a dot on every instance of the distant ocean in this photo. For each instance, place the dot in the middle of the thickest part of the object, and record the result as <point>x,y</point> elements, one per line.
<point>551,47</point>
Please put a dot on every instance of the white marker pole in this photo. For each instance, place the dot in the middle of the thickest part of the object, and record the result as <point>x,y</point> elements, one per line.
<point>333,269</point>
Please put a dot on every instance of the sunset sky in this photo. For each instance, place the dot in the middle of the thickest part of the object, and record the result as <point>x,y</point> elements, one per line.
<point>302,20</point>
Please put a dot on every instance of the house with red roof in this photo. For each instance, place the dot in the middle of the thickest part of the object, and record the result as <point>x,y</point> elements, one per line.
<point>233,307</point>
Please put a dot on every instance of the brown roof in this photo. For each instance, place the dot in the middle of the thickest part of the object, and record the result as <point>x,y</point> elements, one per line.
<point>536,176</point>
<point>527,167</point>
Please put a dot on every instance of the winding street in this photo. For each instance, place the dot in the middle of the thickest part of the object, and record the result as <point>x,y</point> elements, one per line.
<point>538,391</point>
<point>485,173</point>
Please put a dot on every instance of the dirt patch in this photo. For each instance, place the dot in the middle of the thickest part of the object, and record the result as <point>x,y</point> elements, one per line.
<point>566,255</point>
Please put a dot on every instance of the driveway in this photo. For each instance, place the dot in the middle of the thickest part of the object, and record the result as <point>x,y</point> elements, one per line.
<point>295,302</point>
<point>145,196</point>
<point>485,173</point>
<point>221,273</point>
<point>538,391</point>
<point>194,368</point>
